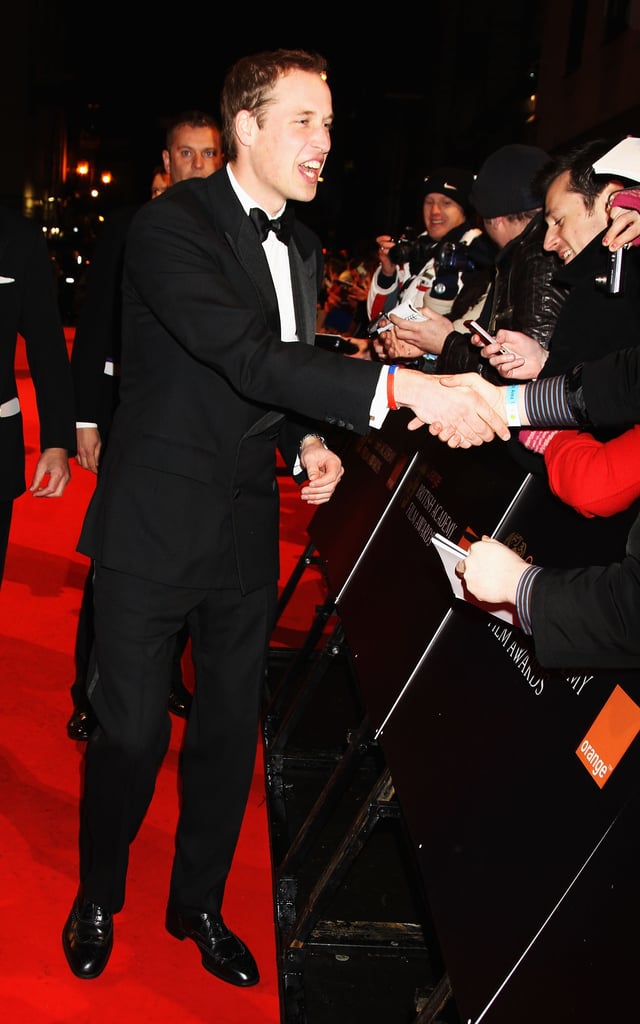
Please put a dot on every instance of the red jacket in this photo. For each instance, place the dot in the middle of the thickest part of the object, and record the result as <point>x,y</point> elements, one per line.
<point>597,478</point>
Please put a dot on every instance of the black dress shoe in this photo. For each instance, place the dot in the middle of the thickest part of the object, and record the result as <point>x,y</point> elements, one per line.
<point>223,954</point>
<point>180,703</point>
<point>87,938</point>
<point>81,724</point>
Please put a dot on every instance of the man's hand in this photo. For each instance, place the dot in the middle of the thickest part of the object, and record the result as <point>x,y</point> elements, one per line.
<point>423,335</point>
<point>384,243</point>
<point>624,211</point>
<point>89,446</point>
<point>461,416</point>
<point>54,463</point>
<point>515,355</point>
<point>378,342</point>
<point>491,571</point>
<point>392,348</point>
<point>324,470</point>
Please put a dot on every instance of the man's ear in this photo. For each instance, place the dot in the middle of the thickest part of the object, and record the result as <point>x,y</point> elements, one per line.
<point>245,127</point>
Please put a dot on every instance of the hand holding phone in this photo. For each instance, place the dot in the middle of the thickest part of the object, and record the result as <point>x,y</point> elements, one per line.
<point>475,328</point>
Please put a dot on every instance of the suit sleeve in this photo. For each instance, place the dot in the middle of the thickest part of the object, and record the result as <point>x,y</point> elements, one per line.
<point>40,325</point>
<point>215,310</point>
<point>588,617</point>
<point>606,392</point>
<point>98,332</point>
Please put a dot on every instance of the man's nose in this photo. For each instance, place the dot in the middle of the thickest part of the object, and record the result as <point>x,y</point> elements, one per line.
<point>322,141</point>
<point>550,240</point>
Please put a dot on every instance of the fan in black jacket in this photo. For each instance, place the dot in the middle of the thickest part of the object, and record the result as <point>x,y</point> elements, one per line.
<point>584,616</point>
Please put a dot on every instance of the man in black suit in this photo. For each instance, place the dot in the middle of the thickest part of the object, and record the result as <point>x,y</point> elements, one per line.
<point>193,149</point>
<point>29,307</point>
<point>218,370</point>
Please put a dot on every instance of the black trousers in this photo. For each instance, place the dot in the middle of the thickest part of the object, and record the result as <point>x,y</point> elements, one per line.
<point>85,656</point>
<point>136,623</point>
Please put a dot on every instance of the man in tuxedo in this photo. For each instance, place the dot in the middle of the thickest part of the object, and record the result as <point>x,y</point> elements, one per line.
<point>193,149</point>
<point>218,370</point>
<point>29,307</point>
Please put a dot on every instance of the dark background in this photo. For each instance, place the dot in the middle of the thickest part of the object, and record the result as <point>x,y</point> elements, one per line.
<point>411,89</point>
<point>444,83</point>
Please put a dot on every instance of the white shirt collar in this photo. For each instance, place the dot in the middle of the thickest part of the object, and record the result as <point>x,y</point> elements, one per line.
<point>247,202</point>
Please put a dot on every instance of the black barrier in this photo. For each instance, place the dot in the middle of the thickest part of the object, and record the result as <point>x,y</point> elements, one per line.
<point>509,828</point>
<point>513,836</point>
<point>397,596</point>
<point>529,861</point>
<point>374,467</point>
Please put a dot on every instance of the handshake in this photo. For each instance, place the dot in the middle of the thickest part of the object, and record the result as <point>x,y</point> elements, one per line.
<point>462,410</point>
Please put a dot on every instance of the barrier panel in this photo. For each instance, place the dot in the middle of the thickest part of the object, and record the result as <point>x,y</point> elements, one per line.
<point>524,833</point>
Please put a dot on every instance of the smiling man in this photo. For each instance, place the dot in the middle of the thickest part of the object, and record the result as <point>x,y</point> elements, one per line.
<point>418,272</point>
<point>592,321</point>
<point>218,370</point>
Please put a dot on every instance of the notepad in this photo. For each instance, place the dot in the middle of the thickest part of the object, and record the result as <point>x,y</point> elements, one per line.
<point>450,555</point>
<point>623,160</point>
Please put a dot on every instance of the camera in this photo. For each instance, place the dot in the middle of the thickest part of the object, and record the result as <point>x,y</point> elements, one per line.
<point>410,247</point>
<point>452,256</point>
<point>612,282</point>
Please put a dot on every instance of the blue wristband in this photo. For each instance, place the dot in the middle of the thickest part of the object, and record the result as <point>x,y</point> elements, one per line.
<point>513,413</point>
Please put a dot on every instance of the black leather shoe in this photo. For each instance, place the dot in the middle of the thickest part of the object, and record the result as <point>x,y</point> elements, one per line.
<point>180,703</point>
<point>223,954</point>
<point>87,938</point>
<point>81,724</point>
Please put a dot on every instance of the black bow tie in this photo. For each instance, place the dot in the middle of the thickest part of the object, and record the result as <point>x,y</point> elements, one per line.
<point>281,227</point>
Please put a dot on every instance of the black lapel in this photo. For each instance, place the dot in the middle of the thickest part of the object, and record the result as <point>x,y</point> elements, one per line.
<point>305,301</point>
<point>248,249</point>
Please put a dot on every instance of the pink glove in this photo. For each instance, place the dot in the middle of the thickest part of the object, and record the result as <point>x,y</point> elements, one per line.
<point>536,440</point>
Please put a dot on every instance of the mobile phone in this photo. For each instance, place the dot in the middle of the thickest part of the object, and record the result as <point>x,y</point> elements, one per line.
<point>475,328</point>
<point>335,343</point>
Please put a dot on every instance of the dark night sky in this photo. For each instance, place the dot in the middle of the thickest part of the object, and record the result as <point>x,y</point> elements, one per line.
<point>137,78</point>
<point>389,83</point>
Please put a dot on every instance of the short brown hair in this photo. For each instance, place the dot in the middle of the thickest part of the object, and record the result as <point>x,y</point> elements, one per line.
<point>191,118</point>
<point>250,81</point>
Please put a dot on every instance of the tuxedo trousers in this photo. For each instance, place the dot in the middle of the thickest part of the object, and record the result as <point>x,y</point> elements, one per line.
<point>136,624</point>
<point>85,655</point>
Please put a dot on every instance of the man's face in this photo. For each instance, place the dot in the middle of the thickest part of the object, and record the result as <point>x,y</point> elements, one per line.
<point>194,153</point>
<point>159,184</point>
<point>283,158</point>
<point>570,226</point>
<point>441,215</point>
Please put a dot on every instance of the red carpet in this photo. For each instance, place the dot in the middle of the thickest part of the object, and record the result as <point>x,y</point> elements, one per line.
<point>150,975</point>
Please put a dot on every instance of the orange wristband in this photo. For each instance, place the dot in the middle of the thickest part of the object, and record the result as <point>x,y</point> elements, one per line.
<point>391,400</point>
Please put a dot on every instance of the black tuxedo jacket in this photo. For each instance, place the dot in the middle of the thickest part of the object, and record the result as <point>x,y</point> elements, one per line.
<point>97,337</point>
<point>29,307</point>
<point>187,493</point>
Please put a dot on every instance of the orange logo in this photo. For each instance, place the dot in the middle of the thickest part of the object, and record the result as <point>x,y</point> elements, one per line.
<point>610,735</point>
